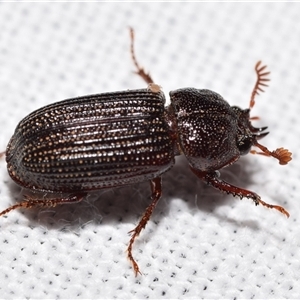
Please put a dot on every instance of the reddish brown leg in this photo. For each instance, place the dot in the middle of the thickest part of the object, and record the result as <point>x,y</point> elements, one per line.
<point>212,179</point>
<point>153,87</point>
<point>30,202</point>
<point>156,193</point>
<point>140,71</point>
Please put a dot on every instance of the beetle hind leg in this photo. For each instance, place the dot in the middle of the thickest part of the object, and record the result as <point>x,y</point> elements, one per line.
<point>156,194</point>
<point>30,202</point>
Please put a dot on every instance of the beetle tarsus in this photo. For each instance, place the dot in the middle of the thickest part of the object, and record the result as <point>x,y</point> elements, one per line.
<point>277,207</point>
<point>156,194</point>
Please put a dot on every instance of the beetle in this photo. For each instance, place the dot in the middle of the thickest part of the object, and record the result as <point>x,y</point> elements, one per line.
<point>75,146</point>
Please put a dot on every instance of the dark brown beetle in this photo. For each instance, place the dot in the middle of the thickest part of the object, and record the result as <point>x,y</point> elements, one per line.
<point>71,147</point>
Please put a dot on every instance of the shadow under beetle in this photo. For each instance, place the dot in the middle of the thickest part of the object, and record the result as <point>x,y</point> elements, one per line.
<point>69,148</point>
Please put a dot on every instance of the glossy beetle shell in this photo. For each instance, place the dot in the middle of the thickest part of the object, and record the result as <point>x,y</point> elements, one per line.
<point>207,128</point>
<point>92,142</point>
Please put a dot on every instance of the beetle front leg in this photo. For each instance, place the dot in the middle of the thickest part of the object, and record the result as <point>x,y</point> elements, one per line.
<point>212,179</point>
<point>30,202</point>
<point>156,194</point>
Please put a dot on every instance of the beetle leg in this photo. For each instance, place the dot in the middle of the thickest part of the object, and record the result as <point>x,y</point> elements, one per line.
<point>212,179</point>
<point>140,71</point>
<point>30,202</point>
<point>156,194</point>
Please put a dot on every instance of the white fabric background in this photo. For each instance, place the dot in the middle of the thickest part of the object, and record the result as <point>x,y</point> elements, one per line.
<point>199,243</point>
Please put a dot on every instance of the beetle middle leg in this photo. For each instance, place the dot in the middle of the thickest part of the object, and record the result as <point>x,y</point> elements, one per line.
<point>31,202</point>
<point>213,180</point>
<point>153,87</point>
<point>156,194</point>
<point>140,71</point>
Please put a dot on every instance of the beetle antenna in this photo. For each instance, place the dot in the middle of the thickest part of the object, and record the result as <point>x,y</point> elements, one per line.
<point>282,154</point>
<point>262,78</point>
<point>140,71</point>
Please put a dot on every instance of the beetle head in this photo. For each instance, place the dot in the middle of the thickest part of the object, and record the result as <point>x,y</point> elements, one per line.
<point>247,134</point>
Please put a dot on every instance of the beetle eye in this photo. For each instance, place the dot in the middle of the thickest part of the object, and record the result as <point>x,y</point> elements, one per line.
<point>245,144</point>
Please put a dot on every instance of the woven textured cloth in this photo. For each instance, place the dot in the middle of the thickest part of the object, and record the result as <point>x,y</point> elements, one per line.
<point>199,243</point>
